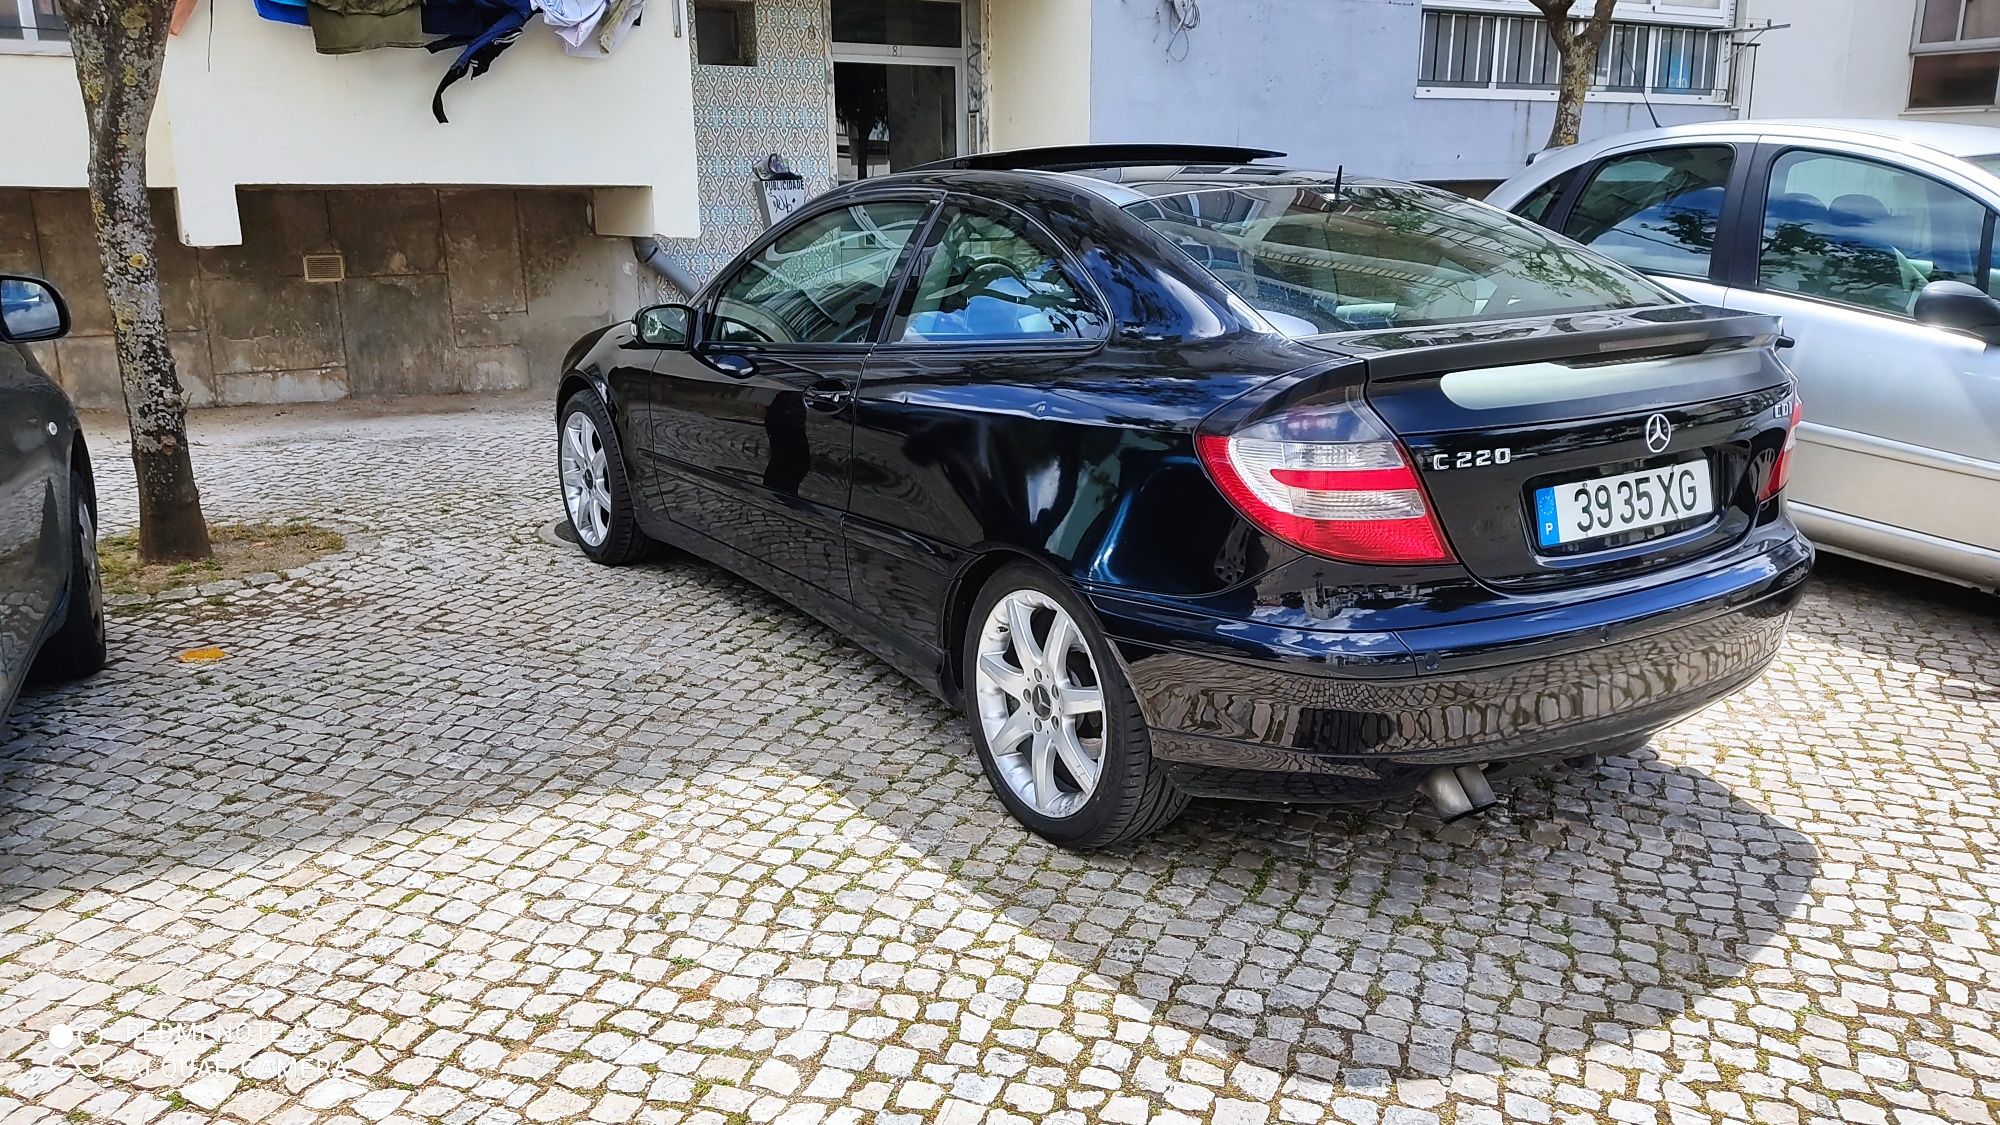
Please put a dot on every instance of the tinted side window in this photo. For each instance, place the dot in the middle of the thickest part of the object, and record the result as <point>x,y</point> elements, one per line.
<point>819,282</point>
<point>1655,211</point>
<point>1844,229</point>
<point>985,279</point>
<point>1535,208</point>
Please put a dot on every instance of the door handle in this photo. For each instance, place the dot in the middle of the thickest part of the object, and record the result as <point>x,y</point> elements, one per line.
<point>828,396</point>
<point>733,364</point>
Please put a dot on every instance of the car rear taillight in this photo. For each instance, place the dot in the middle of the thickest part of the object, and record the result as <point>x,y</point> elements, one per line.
<point>1781,469</point>
<point>1331,479</point>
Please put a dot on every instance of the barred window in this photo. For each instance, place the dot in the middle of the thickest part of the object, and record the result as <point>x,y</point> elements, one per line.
<point>1527,55</point>
<point>1458,49</point>
<point>1689,61</point>
<point>1479,51</point>
<point>1621,58</point>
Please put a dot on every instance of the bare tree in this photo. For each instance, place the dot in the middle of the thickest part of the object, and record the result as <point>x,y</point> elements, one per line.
<point>120,47</point>
<point>1576,55</point>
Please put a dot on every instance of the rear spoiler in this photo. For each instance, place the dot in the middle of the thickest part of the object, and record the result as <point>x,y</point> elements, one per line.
<point>1613,337</point>
<point>1057,158</point>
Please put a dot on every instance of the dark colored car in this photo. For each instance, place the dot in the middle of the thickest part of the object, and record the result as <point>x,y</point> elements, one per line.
<point>1186,475</point>
<point>51,599</point>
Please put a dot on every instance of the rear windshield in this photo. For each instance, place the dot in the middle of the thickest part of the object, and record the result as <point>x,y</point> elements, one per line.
<point>1378,255</point>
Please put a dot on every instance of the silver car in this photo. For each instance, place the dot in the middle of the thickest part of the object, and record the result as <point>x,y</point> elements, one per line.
<point>1874,241</point>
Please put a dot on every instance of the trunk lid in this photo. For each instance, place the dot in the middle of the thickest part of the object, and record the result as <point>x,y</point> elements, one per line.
<point>1619,413</point>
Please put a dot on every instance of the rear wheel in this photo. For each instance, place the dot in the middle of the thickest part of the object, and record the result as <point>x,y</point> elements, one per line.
<point>596,495</point>
<point>1058,730</point>
<point>77,649</point>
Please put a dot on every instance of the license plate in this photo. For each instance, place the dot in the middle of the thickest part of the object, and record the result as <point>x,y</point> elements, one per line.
<point>1592,509</point>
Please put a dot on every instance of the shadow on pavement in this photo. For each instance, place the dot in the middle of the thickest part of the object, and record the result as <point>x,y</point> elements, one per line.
<point>663,759</point>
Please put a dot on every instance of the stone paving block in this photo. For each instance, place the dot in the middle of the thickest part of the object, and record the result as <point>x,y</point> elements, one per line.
<point>465,829</point>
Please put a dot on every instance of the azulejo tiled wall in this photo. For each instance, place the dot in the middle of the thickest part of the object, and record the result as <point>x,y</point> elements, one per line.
<point>742,114</point>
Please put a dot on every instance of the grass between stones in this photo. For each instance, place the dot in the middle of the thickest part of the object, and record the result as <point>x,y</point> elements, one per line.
<point>241,549</point>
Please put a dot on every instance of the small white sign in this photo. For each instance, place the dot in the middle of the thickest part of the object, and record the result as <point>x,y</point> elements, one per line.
<point>781,198</point>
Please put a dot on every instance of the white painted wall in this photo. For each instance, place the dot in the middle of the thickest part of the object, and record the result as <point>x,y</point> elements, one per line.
<point>247,102</point>
<point>1038,72</point>
<point>1840,58</point>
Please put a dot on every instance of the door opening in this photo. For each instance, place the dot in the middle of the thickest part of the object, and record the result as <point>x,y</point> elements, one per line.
<point>898,85</point>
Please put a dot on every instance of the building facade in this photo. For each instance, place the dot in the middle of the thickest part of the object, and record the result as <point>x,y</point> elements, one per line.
<point>1924,59</point>
<point>325,237</point>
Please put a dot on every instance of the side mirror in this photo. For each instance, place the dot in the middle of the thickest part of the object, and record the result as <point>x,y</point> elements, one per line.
<point>665,326</point>
<point>30,310</point>
<point>1961,308</point>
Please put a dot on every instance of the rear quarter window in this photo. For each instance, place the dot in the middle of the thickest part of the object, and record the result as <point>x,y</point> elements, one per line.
<point>1375,255</point>
<point>1542,200</point>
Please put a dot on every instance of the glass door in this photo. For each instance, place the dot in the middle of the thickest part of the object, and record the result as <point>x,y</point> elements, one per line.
<point>898,85</point>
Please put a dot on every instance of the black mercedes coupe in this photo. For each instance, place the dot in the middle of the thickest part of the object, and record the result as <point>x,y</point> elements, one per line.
<point>1185,474</point>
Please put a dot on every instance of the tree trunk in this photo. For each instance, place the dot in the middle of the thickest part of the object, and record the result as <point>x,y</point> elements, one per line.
<point>1576,44</point>
<point>1572,85</point>
<point>120,48</point>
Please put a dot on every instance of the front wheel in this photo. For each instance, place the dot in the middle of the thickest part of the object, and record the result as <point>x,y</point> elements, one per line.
<point>597,497</point>
<point>77,649</point>
<point>1058,730</point>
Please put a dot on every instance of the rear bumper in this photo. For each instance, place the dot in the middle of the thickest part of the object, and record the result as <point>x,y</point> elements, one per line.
<point>1242,709</point>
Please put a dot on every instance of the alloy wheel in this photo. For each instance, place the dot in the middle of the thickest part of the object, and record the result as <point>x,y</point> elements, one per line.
<point>585,480</point>
<point>93,577</point>
<point>1041,703</point>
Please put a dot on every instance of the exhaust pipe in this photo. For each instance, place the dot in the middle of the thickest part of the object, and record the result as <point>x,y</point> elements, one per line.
<point>1457,793</point>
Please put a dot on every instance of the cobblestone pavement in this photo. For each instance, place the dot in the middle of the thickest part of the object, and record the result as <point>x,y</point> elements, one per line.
<point>465,829</point>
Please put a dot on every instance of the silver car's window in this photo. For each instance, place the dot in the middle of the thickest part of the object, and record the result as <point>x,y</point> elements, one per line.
<point>1375,255</point>
<point>1840,228</point>
<point>1655,211</point>
<point>821,281</point>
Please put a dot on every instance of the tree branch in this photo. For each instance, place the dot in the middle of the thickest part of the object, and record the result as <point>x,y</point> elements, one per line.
<point>1600,21</point>
<point>1555,14</point>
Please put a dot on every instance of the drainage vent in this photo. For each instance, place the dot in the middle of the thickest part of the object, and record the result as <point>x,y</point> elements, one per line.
<point>325,267</point>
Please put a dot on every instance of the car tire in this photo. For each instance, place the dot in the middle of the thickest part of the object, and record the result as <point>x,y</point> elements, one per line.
<point>77,648</point>
<point>597,496</point>
<point>1038,707</point>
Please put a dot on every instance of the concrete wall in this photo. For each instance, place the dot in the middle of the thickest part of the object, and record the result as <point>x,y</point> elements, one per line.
<point>447,291</point>
<point>1840,58</point>
<point>247,102</point>
<point>1041,76</point>
<point>1328,81</point>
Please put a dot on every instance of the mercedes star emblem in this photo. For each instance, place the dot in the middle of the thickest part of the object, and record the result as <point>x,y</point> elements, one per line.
<point>1659,433</point>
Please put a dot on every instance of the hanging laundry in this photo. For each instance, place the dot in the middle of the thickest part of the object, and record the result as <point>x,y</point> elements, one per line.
<point>572,20</point>
<point>608,31</point>
<point>283,11</point>
<point>482,29</point>
<point>342,27</point>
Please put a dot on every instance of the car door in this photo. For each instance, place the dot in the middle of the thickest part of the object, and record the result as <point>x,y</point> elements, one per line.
<point>34,543</point>
<point>751,429</point>
<point>1902,420</point>
<point>1660,210</point>
<point>994,312</point>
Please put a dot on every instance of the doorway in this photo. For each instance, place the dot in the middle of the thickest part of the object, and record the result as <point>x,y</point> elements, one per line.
<point>899,94</point>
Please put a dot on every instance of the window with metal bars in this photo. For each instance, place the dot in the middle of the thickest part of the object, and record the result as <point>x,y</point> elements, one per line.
<point>1478,51</point>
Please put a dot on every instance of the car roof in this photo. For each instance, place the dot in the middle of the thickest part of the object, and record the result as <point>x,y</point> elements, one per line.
<point>1119,184</point>
<point>1950,138</point>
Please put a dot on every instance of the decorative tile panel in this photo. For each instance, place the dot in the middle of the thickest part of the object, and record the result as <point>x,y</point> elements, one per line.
<point>742,114</point>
